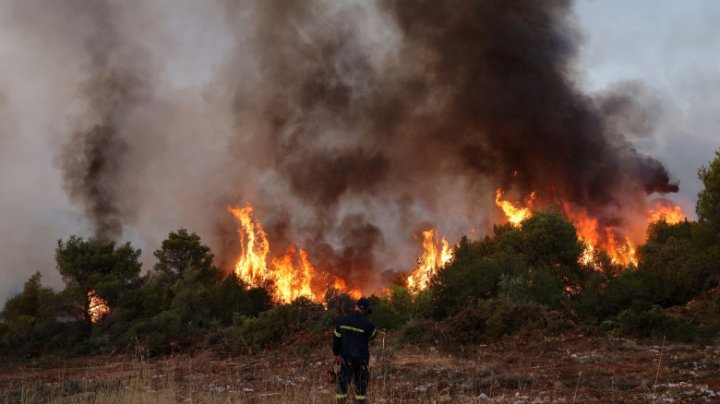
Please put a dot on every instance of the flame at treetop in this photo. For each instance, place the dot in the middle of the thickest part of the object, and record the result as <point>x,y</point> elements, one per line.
<point>436,253</point>
<point>620,248</point>
<point>514,214</point>
<point>667,211</point>
<point>251,267</point>
<point>292,274</point>
<point>97,306</point>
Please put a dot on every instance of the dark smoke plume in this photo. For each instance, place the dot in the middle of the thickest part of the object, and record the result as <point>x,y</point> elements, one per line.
<point>454,99</point>
<point>514,106</point>
<point>92,161</point>
<point>350,126</point>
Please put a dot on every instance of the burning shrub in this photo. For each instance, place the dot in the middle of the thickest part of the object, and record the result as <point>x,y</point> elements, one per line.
<point>108,269</point>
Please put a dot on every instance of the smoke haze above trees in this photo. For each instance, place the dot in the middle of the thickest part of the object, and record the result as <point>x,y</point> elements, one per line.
<point>349,125</point>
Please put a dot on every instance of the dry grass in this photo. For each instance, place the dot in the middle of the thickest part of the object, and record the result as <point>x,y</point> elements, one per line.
<point>517,369</point>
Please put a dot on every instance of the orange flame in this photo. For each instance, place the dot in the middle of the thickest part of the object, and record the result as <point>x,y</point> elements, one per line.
<point>515,214</point>
<point>435,255</point>
<point>596,239</point>
<point>97,307</point>
<point>340,285</point>
<point>251,267</point>
<point>293,274</point>
<point>666,211</point>
<point>587,232</point>
<point>621,253</point>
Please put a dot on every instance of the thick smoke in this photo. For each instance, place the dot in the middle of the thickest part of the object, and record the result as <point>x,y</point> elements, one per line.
<point>350,126</point>
<point>447,99</point>
<point>93,159</point>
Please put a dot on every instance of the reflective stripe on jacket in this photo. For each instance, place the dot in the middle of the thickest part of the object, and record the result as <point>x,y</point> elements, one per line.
<point>351,337</point>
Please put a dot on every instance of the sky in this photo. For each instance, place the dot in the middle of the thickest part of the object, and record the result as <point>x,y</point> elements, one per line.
<point>673,49</point>
<point>669,49</point>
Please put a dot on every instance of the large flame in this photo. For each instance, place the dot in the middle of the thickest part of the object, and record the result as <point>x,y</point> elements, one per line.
<point>293,274</point>
<point>621,252</point>
<point>515,214</point>
<point>97,307</point>
<point>620,249</point>
<point>587,231</point>
<point>667,211</point>
<point>436,253</point>
<point>251,267</point>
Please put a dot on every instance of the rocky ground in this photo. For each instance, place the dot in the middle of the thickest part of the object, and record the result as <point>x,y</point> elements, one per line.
<point>519,369</point>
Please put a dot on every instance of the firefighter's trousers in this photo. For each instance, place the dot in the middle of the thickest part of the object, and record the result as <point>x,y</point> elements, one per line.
<point>353,370</point>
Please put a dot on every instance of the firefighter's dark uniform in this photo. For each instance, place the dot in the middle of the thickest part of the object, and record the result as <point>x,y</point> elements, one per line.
<point>350,341</point>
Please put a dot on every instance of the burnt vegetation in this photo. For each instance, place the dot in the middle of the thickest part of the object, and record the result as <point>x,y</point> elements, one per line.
<point>516,279</point>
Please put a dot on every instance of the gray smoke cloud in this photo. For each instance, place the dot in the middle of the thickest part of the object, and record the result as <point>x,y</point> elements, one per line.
<point>93,160</point>
<point>478,90</point>
<point>350,126</point>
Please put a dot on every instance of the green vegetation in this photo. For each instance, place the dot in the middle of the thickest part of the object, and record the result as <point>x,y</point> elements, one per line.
<point>517,279</point>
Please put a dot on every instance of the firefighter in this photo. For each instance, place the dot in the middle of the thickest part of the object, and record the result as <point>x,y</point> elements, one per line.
<point>350,347</point>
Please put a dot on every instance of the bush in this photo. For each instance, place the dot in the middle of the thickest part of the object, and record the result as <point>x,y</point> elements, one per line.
<point>29,324</point>
<point>420,331</point>
<point>506,317</point>
<point>273,325</point>
<point>393,309</point>
<point>643,319</point>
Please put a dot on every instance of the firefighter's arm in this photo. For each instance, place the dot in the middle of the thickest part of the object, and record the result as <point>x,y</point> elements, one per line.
<point>373,333</point>
<point>337,342</point>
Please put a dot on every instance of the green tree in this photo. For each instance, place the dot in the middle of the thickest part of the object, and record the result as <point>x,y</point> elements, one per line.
<point>673,266</point>
<point>550,243</point>
<point>29,318</point>
<point>184,268</point>
<point>181,282</point>
<point>549,239</point>
<point>185,295</point>
<point>183,254</point>
<point>475,271</point>
<point>110,270</point>
<point>708,204</point>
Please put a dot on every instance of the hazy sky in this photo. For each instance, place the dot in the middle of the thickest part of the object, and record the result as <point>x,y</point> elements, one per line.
<point>670,47</point>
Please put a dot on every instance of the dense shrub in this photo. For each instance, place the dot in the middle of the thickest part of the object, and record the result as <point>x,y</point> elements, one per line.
<point>420,331</point>
<point>29,320</point>
<point>393,309</point>
<point>271,326</point>
<point>646,320</point>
